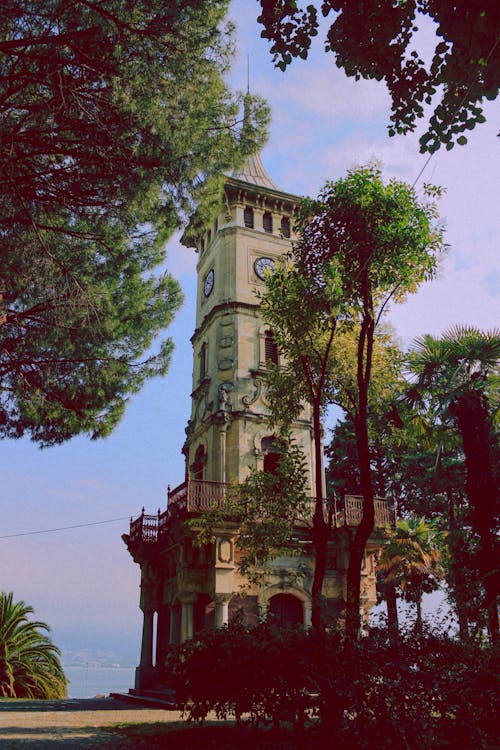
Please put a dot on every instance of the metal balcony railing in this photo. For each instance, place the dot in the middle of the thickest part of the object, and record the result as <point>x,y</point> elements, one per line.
<point>198,496</point>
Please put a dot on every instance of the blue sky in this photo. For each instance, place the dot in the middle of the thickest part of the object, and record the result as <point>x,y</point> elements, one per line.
<point>82,581</point>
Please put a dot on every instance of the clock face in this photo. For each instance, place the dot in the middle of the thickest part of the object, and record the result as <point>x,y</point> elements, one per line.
<point>263,265</point>
<point>208,284</point>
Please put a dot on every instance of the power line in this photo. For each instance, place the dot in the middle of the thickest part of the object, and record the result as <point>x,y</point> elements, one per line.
<point>65,528</point>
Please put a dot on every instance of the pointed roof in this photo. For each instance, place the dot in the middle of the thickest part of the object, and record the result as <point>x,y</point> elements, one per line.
<point>253,172</point>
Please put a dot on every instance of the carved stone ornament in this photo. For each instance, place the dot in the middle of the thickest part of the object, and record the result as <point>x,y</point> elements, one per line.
<point>249,400</point>
<point>225,551</point>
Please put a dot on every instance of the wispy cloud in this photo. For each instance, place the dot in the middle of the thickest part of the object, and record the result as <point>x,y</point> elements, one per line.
<point>491,283</point>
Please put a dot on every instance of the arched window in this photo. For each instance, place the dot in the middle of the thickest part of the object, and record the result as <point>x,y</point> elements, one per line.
<point>199,462</point>
<point>209,237</point>
<point>285,226</point>
<point>248,217</point>
<point>267,222</point>
<point>286,609</point>
<point>270,348</point>
<point>203,361</point>
<point>271,455</point>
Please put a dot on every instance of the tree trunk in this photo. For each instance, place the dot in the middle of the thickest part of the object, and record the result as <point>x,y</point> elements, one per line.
<point>392,610</point>
<point>473,424</point>
<point>365,528</point>
<point>363,532</point>
<point>320,530</point>
<point>459,587</point>
<point>419,621</point>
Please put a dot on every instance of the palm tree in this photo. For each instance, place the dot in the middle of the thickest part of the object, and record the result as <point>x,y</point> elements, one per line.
<point>29,662</point>
<point>410,562</point>
<point>457,377</point>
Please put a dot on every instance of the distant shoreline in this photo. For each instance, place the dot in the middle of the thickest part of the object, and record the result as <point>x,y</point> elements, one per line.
<point>87,681</point>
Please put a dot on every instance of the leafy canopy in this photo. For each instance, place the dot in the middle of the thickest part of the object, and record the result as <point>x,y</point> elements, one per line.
<point>383,39</point>
<point>361,244</point>
<point>115,122</point>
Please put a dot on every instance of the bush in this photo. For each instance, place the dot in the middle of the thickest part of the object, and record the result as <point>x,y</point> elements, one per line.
<point>415,692</point>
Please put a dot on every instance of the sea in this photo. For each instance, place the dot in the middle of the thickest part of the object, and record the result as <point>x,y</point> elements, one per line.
<point>88,681</point>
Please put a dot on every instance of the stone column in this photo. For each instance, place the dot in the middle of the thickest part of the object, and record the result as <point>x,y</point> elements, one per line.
<point>162,635</point>
<point>187,618</point>
<point>147,640</point>
<point>175,625</point>
<point>222,451</point>
<point>221,609</point>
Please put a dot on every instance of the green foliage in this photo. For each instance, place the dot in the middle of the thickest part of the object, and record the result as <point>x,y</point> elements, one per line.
<point>257,673</point>
<point>411,560</point>
<point>454,378</point>
<point>419,692</point>
<point>361,244</point>
<point>363,230</point>
<point>379,39</point>
<point>116,123</point>
<point>29,662</point>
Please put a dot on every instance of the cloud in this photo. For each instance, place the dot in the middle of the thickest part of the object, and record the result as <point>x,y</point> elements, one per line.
<point>455,297</point>
<point>491,283</point>
<point>321,89</point>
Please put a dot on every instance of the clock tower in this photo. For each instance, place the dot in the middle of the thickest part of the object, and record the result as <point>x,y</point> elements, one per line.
<point>186,588</point>
<point>228,432</point>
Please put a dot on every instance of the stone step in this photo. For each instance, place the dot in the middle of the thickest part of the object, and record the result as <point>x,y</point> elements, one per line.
<point>161,698</point>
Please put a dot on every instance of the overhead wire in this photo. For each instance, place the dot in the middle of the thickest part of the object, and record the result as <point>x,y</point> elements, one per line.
<point>64,528</point>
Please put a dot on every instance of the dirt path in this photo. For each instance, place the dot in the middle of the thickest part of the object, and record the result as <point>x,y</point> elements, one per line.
<point>72,724</point>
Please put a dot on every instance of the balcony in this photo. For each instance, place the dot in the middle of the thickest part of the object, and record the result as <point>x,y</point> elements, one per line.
<point>198,496</point>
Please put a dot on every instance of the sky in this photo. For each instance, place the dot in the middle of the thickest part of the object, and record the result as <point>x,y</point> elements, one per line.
<point>82,581</point>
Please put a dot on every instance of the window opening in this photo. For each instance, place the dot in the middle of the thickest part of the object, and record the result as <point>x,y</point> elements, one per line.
<point>267,222</point>
<point>203,361</point>
<point>271,455</point>
<point>270,348</point>
<point>198,463</point>
<point>248,217</point>
<point>285,226</point>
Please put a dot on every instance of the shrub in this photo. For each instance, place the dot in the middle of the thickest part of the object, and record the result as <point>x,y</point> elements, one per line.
<point>413,692</point>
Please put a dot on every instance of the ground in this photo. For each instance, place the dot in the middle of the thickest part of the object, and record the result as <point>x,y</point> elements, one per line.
<point>73,724</point>
<point>112,724</point>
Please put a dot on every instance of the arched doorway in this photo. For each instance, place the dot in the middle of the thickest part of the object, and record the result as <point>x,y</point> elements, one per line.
<point>286,609</point>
